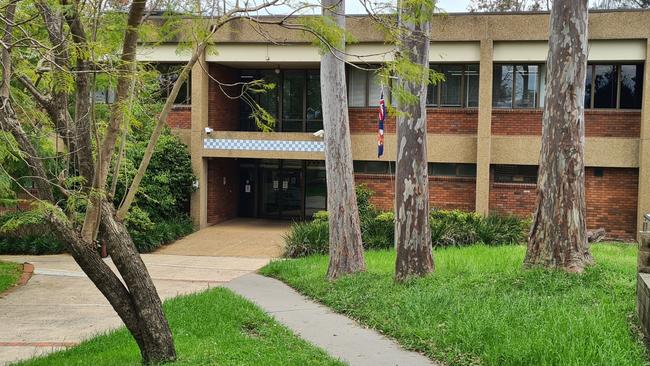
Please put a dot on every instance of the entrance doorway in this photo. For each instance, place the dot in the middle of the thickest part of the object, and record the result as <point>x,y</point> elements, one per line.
<point>282,189</point>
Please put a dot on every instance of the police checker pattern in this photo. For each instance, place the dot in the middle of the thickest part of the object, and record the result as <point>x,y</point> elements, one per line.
<point>264,145</point>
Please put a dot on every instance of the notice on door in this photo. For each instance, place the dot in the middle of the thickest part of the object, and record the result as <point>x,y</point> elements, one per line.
<point>285,184</point>
<point>276,184</point>
<point>247,188</point>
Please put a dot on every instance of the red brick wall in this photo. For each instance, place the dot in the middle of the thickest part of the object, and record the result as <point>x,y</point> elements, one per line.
<point>439,120</point>
<point>598,123</point>
<point>444,193</point>
<point>611,200</point>
<point>223,112</point>
<point>222,199</point>
<point>180,117</point>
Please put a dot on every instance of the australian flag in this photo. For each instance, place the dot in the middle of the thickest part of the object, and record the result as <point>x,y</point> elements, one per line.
<point>380,127</point>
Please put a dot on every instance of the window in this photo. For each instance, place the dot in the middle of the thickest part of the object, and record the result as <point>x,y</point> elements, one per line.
<point>295,102</point>
<point>614,86</point>
<point>459,89</point>
<point>517,86</point>
<point>168,76</point>
<point>364,88</point>
<point>374,167</point>
<point>452,170</point>
<point>515,174</point>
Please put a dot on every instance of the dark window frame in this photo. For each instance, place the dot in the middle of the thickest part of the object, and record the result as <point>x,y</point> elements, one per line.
<point>431,169</point>
<point>361,167</point>
<point>280,120</point>
<point>463,85</point>
<point>618,66</point>
<point>511,171</point>
<point>366,89</point>
<point>166,89</point>
<point>541,67</point>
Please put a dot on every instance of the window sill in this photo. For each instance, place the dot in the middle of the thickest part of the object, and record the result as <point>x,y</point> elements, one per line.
<point>514,185</point>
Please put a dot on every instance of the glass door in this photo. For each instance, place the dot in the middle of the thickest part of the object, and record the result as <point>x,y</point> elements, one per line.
<point>291,198</point>
<point>270,188</point>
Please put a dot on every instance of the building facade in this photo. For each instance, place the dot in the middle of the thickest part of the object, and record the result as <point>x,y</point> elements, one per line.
<point>484,120</point>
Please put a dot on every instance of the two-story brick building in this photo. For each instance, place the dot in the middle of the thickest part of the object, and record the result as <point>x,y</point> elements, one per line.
<point>484,120</point>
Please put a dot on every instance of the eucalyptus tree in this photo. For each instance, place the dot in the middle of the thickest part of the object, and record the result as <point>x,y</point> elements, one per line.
<point>412,231</point>
<point>345,247</point>
<point>558,236</point>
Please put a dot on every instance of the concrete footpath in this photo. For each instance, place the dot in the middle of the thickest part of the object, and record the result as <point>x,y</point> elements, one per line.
<point>59,306</point>
<point>338,335</point>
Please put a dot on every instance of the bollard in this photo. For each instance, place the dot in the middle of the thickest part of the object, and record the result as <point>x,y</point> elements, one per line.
<point>643,263</point>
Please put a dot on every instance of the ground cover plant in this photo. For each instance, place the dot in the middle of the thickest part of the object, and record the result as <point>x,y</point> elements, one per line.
<point>481,308</point>
<point>215,327</point>
<point>448,228</point>
<point>9,274</point>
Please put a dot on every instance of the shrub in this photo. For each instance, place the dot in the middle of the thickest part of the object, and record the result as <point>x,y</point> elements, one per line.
<point>499,229</point>
<point>379,232</point>
<point>149,236</point>
<point>25,232</point>
<point>307,238</point>
<point>453,228</point>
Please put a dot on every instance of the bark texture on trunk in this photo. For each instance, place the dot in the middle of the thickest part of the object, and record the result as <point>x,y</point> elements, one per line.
<point>558,235</point>
<point>156,334</point>
<point>412,232</point>
<point>345,248</point>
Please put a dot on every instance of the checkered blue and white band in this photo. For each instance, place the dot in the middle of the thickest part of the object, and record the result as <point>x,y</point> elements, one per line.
<point>264,145</point>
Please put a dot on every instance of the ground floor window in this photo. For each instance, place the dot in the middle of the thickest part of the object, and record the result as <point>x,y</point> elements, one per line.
<point>515,174</point>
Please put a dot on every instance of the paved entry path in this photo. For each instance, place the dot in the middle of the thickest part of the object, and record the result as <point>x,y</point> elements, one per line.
<point>257,238</point>
<point>60,307</point>
<point>338,335</point>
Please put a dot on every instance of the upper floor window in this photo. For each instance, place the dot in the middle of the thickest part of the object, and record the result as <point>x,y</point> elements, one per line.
<point>611,86</point>
<point>295,101</point>
<point>168,76</point>
<point>459,89</point>
<point>515,174</point>
<point>364,88</point>
<point>518,86</point>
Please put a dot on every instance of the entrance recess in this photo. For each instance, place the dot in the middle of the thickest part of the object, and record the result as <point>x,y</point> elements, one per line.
<point>282,189</point>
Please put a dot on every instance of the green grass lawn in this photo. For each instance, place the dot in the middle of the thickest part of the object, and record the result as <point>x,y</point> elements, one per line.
<point>216,327</point>
<point>9,274</point>
<point>481,307</point>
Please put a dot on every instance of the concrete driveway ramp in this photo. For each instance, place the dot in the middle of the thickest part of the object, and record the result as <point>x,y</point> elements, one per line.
<point>254,238</point>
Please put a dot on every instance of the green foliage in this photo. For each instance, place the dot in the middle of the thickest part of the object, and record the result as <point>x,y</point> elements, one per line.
<point>166,187</point>
<point>307,238</point>
<point>448,228</point>
<point>481,307</point>
<point>215,327</point>
<point>148,235</point>
<point>25,232</point>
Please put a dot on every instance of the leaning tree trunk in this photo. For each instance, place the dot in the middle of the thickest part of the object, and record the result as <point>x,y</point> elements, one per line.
<point>346,249</point>
<point>156,334</point>
<point>558,235</point>
<point>412,232</point>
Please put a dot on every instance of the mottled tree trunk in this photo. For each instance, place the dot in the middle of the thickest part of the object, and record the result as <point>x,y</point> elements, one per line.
<point>346,249</point>
<point>558,235</point>
<point>412,232</point>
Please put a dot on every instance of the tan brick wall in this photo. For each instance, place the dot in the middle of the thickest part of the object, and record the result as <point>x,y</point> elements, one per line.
<point>598,123</point>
